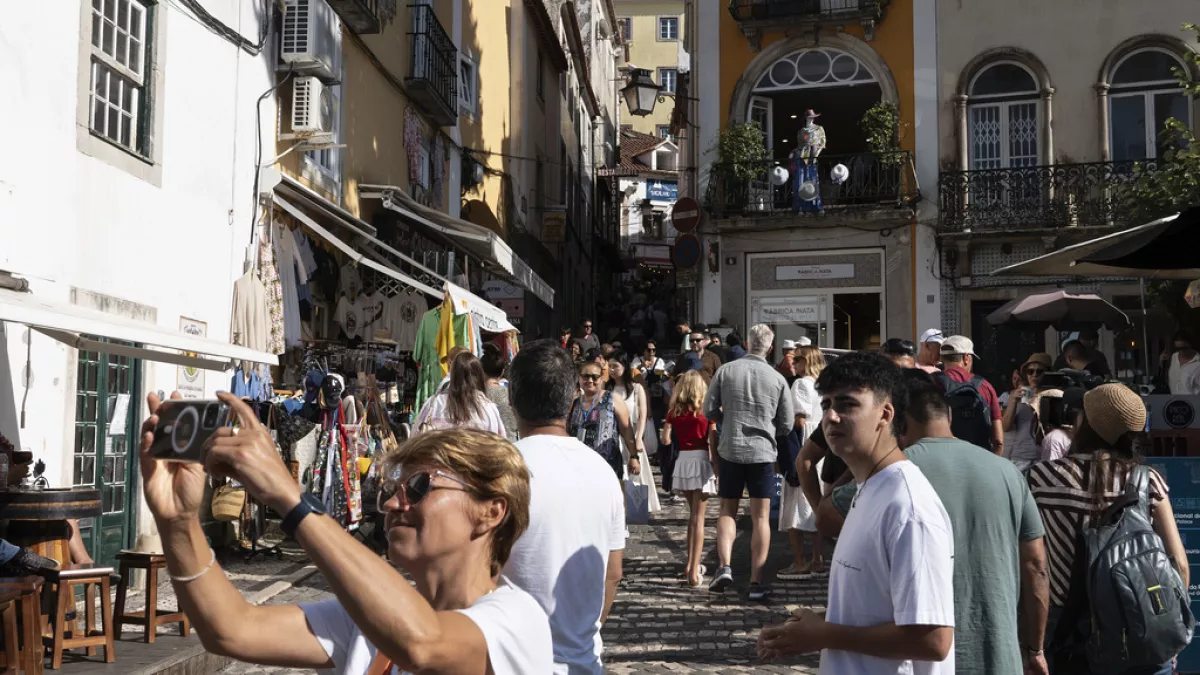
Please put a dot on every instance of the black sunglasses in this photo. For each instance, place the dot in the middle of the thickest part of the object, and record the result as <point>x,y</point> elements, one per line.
<point>589,377</point>
<point>417,487</point>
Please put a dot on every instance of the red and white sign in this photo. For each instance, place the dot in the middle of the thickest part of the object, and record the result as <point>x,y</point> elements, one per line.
<point>685,216</point>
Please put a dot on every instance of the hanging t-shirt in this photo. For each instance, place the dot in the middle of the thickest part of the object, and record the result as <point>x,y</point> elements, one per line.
<point>349,281</point>
<point>347,316</point>
<point>370,312</point>
<point>513,624</point>
<point>403,318</point>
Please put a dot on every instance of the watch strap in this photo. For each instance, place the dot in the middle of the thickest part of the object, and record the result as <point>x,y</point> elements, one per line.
<point>298,513</point>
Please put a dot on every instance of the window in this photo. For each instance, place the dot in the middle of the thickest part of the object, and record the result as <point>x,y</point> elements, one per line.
<point>325,166</point>
<point>667,78</point>
<point>668,28</point>
<point>1003,118</point>
<point>664,131</point>
<point>468,85</point>
<point>1144,94</point>
<point>625,24</point>
<point>119,61</point>
<point>541,77</point>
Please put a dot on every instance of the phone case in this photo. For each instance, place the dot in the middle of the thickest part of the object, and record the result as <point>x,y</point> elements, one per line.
<point>185,427</point>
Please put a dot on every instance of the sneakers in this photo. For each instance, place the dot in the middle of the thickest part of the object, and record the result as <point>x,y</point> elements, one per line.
<point>25,563</point>
<point>723,580</point>
<point>794,571</point>
<point>759,591</point>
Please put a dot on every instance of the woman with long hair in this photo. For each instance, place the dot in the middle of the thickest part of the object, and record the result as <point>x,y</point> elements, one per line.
<point>463,403</point>
<point>455,503</point>
<point>696,466</point>
<point>494,363</point>
<point>1072,492</point>
<point>601,421</point>
<point>796,514</point>
<point>621,383</point>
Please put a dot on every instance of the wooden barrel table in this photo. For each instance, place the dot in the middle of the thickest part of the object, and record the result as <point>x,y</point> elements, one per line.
<point>37,519</point>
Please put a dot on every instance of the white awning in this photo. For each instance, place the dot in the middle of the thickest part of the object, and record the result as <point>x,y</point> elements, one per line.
<point>80,327</point>
<point>489,317</point>
<point>478,240</point>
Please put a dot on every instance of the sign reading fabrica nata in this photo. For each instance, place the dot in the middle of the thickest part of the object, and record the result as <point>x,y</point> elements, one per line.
<point>814,272</point>
<point>789,313</point>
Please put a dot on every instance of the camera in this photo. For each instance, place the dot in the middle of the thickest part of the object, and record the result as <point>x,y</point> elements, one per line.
<point>185,427</point>
<point>1070,379</point>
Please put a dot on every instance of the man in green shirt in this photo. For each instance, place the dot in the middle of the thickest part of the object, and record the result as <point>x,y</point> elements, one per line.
<point>998,549</point>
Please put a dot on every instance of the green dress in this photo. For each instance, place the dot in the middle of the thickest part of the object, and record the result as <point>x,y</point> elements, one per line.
<point>425,352</point>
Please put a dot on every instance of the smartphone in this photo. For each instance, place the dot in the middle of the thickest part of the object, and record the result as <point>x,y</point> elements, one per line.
<point>185,427</point>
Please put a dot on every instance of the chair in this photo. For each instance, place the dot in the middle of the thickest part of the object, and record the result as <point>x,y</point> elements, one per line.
<point>32,654</point>
<point>10,661</point>
<point>152,617</point>
<point>93,579</point>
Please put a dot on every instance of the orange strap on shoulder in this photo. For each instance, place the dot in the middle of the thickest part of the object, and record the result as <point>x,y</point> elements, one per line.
<point>380,665</point>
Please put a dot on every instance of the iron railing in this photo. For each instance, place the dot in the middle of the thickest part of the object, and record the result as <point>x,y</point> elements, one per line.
<point>365,17</point>
<point>774,10</point>
<point>434,80</point>
<point>869,180</point>
<point>1037,197</point>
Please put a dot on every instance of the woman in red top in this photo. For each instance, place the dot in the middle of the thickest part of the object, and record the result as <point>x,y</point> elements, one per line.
<point>696,466</point>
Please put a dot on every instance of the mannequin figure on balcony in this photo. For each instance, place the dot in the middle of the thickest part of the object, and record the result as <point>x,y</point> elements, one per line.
<point>810,143</point>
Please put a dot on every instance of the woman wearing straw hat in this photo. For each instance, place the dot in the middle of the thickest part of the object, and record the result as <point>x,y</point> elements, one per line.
<point>1020,416</point>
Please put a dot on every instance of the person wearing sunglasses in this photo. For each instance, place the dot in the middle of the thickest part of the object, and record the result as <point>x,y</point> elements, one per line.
<point>900,352</point>
<point>455,503</point>
<point>1021,416</point>
<point>601,421</point>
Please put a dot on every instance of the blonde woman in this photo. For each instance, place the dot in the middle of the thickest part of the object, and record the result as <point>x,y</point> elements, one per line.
<point>795,513</point>
<point>696,466</point>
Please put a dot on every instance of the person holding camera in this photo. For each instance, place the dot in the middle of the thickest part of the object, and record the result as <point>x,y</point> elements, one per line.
<point>1020,417</point>
<point>456,501</point>
<point>1059,412</point>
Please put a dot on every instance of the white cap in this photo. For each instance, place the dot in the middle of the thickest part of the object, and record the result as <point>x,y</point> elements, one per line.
<point>932,335</point>
<point>958,345</point>
<point>788,344</point>
<point>803,342</point>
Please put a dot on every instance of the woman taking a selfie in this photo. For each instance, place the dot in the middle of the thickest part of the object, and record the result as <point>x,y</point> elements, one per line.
<point>456,501</point>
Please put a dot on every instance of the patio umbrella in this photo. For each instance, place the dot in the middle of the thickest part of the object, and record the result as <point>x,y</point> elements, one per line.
<point>1170,246</point>
<point>1063,310</point>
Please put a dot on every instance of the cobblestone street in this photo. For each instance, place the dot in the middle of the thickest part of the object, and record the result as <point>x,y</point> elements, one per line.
<point>658,624</point>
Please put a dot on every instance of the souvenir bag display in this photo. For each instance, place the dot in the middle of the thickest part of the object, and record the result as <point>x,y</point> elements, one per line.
<point>228,501</point>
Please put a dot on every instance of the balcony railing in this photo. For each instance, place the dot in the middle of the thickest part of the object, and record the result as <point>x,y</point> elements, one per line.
<point>365,17</point>
<point>1036,197</point>
<point>872,180</point>
<point>434,80</point>
<point>771,11</point>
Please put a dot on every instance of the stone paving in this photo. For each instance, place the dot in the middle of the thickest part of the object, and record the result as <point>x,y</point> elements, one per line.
<point>658,624</point>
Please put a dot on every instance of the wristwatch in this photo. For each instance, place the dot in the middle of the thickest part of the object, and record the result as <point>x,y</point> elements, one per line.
<point>308,504</point>
<point>1034,652</point>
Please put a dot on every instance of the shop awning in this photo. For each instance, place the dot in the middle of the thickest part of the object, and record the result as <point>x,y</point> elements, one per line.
<point>84,328</point>
<point>489,317</point>
<point>474,239</point>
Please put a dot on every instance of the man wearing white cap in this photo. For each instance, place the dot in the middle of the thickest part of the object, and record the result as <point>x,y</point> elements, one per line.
<point>787,363</point>
<point>972,399</point>
<point>929,350</point>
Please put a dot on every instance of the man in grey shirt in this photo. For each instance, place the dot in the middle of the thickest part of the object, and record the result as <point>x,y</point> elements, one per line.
<point>751,402</point>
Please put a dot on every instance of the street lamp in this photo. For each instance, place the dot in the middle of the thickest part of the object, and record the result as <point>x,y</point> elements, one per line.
<point>641,92</point>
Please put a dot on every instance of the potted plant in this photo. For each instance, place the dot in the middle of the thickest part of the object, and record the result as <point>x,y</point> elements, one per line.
<point>741,157</point>
<point>881,124</point>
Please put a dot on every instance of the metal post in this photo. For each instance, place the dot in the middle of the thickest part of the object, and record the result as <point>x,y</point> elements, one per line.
<point>1145,331</point>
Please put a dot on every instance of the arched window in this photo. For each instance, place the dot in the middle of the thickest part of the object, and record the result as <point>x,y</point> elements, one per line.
<point>1003,117</point>
<point>1143,93</point>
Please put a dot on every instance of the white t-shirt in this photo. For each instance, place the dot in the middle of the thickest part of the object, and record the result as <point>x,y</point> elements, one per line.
<point>370,314</point>
<point>436,415</point>
<point>403,319</point>
<point>347,316</point>
<point>349,281</point>
<point>515,627</point>
<point>1183,379</point>
<point>576,518</point>
<point>806,401</point>
<point>1055,445</point>
<point>894,562</point>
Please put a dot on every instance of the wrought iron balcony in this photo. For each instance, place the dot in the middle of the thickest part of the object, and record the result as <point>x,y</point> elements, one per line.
<point>872,181</point>
<point>365,17</point>
<point>777,12</point>
<point>1036,197</point>
<point>434,80</point>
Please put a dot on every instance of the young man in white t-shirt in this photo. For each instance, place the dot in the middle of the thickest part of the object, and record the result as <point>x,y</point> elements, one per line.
<point>891,588</point>
<point>569,558</point>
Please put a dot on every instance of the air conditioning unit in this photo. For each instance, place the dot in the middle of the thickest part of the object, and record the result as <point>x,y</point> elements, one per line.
<point>311,42</point>
<point>314,110</point>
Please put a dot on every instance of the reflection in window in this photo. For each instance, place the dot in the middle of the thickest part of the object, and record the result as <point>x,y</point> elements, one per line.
<point>1144,94</point>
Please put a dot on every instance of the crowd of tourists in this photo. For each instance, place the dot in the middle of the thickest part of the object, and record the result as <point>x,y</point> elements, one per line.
<point>973,533</point>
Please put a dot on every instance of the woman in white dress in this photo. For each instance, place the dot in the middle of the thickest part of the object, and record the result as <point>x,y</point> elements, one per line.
<point>620,382</point>
<point>796,515</point>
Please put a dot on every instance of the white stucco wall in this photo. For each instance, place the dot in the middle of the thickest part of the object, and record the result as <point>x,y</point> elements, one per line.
<point>70,220</point>
<point>1071,38</point>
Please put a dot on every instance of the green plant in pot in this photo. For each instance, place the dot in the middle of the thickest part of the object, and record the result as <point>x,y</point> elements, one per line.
<point>881,124</point>
<point>742,156</point>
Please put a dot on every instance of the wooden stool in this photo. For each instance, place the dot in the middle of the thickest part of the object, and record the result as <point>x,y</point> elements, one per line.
<point>10,664</point>
<point>65,581</point>
<point>153,616</point>
<point>29,608</point>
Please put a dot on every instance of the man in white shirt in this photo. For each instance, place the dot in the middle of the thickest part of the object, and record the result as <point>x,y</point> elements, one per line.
<point>891,589</point>
<point>1183,375</point>
<point>569,558</point>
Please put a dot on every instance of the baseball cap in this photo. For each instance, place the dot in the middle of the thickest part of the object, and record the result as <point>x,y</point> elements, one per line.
<point>789,344</point>
<point>932,335</point>
<point>958,344</point>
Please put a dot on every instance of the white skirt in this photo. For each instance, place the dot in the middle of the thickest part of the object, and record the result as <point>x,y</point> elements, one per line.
<point>795,513</point>
<point>693,471</point>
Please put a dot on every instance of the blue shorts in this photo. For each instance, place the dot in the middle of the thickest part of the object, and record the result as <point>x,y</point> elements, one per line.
<point>733,478</point>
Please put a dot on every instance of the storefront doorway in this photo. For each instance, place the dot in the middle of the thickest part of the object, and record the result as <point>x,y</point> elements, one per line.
<point>106,403</point>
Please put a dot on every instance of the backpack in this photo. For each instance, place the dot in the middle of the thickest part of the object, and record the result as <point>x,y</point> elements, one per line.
<point>1138,612</point>
<point>970,416</point>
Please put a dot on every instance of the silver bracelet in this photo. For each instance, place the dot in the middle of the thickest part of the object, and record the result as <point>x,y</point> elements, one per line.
<point>184,580</point>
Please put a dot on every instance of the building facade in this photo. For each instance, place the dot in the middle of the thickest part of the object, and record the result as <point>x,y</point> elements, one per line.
<point>1036,137</point>
<point>654,32</point>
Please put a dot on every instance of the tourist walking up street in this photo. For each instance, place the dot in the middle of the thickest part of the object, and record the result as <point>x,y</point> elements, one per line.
<point>709,362</point>
<point>494,364</point>
<point>455,501</point>
<point>999,557</point>
<point>929,354</point>
<point>587,337</point>
<point>796,515</point>
<point>695,468</point>
<point>601,421</point>
<point>752,404</point>
<point>974,406</point>
<point>891,591</point>
<point>621,384</point>
<point>570,556</point>
<point>463,403</point>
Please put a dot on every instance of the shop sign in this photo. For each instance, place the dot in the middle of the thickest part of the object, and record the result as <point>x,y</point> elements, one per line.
<point>789,313</point>
<point>189,382</point>
<point>814,272</point>
<point>662,190</point>
<point>554,226</point>
<point>686,278</point>
<point>498,289</point>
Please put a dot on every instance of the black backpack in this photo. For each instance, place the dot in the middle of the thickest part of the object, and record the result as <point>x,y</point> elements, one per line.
<point>970,416</point>
<point>1137,611</point>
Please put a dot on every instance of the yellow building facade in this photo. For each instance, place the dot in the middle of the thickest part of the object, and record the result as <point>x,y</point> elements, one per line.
<point>654,33</point>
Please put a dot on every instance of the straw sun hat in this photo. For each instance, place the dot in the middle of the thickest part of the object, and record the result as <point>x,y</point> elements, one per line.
<point>1114,409</point>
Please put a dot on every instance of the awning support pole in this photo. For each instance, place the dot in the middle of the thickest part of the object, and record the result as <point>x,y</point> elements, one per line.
<point>1145,331</point>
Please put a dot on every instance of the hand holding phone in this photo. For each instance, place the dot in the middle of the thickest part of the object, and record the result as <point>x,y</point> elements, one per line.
<point>185,428</point>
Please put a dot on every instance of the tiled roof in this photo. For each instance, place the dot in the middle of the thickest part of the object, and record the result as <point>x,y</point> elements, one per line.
<point>633,145</point>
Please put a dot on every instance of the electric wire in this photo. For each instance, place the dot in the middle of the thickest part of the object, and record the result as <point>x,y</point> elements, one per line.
<point>226,32</point>
<point>258,149</point>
